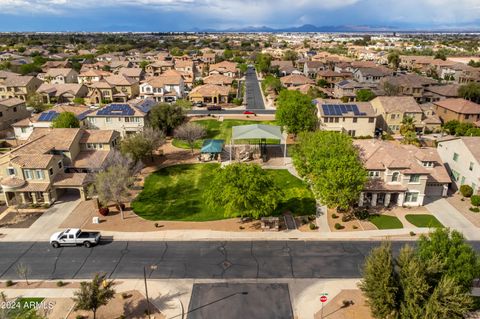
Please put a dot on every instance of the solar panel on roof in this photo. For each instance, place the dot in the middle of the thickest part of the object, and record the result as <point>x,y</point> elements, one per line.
<point>338,111</point>
<point>355,110</point>
<point>325,110</point>
<point>343,108</point>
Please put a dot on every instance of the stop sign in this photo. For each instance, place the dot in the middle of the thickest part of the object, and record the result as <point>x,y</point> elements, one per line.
<point>323,299</point>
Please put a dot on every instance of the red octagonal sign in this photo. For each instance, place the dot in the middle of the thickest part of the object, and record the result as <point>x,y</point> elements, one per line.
<point>323,299</point>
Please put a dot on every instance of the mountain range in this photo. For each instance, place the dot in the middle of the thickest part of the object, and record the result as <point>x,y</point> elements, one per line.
<point>305,28</point>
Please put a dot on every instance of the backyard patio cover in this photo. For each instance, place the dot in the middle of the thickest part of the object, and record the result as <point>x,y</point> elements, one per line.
<point>258,131</point>
<point>212,146</point>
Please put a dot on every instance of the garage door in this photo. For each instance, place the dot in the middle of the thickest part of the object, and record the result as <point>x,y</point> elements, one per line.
<point>434,189</point>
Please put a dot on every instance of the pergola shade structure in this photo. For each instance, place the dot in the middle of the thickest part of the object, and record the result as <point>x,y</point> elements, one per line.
<point>259,132</point>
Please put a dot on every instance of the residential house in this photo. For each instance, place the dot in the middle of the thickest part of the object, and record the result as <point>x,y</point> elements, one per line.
<point>125,118</point>
<point>224,68</point>
<point>59,76</point>
<point>311,68</point>
<point>55,64</point>
<point>218,79</point>
<point>295,80</point>
<point>347,89</point>
<point>210,94</point>
<point>18,86</point>
<point>284,67</point>
<point>62,93</point>
<point>400,175</point>
<point>208,57</point>
<point>134,73</point>
<point>391,110</point>
<point>11,111</point>
<point>430,120</point>
<point>158,67</point>
<point>436,93</point>
<point>24,128</point>
<point>355,119</point>
<point>52,162</point>
<point>408,84</point>
<point>92,75</point>
<point>116,88</point>
<point>163,88</point>
<point>371,75</point>
<point>332,77</point>
<point>461,156</point>
<point>458,109</point>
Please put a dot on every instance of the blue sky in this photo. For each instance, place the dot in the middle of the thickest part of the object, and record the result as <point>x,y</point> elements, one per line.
<point>184,15</point>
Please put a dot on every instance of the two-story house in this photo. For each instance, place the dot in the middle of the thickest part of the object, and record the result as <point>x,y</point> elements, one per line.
<point>457,109</point>
<point>295,80</point>
<point>12,110</point>
<point>92,75</point>
<point>18,86</point>
<point>122,117</point>
<point>311,68</point>
<point>461,156</point>
<point>347,89</point>
<point>356,119</point>
<point>371,75</point>
<point>59,76</point>
<point>51,162</point>
<point>409,85</point>
<point>158,67</point>
<point>163,88</point>
<point>218,79</point>
<point>225,68</point>
<point>400,175</point>
<point>210,94</point>
<point>62,93</point>
<point>391,110</point>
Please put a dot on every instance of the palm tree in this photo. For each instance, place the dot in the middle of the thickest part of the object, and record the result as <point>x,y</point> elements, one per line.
<point>408,125</point>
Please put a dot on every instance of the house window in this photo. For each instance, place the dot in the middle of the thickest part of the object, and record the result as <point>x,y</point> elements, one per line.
<point>415,178</point>
<point>92,119</point>
<point>411,197</point>
<point>108,119</point>
<point>28,174</point>
<point>471,166</point>
<point>455,175</point>
<point>351,133</point>
<point>1,114</point>
<point>371,119</point>
<point>60,164</point>
<point>455,157</point>
<point>395,176</point>
<point>15,109</point>
<point>337,120</point>
<point>39,174</point>
<point>467,116</point>
<point>373,174</point>
<point>24,130</point>
<point>100,146</point>
<point>428,164</point>
<point>462,181</point>
<point>50,171</point>
<point>11,171</point>
<point>354,120</point>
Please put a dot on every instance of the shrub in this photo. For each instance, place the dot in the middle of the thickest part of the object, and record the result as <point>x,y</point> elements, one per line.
<point>313,226</point>
<point>79,317</point>
<point>346,218</point>
<point>241,227</point>
<point>355,227</point>
<point>125,295</point>
<point>362,214</point>
<point>412,233</point>
<point>9,283</point>
<point>474,209</point>
<point>334,216</point>
<point>466,190</point>
<point>103,211</point>
<point>339,226</point>
<point>312,217</point>
<point>46,205</point>
<point>60,283</point>
<point>475,200</point>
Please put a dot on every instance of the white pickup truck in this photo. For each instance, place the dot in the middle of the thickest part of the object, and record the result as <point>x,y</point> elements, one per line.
<point>74,237</point>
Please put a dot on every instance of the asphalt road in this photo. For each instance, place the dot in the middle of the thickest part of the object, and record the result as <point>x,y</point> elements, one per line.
<point>254,96</point>
<point>200,259</point>
<point>225,112</point>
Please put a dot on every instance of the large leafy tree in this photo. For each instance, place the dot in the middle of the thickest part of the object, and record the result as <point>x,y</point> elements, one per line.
<point>296,112</point>
<point>332,164</point>
<point>35,101</point>
<point>290,55</point>
<point>271,83</point>
<point>393,59</point>
<point>66,120</point>
<point>365,95</point>
<point>142,145</point>
<point>92,295</point>
<point>263,62</point>
<point>407,129</point>
<point>470,92</point>
<point>426,282</point>
<point>244,190</point>
<point>166,117</point>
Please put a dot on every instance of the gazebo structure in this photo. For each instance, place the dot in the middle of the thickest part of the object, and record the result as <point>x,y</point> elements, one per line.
<point>211,148</point>
<point>259,132</point>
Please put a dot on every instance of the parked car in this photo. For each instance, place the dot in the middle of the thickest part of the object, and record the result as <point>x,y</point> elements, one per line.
<point>214,108</point>
<point>248,112</point>
<point>198,104</point>
<point>74,237</point>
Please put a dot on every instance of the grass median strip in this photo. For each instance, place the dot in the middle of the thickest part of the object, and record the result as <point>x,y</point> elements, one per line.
<point>423,220</point>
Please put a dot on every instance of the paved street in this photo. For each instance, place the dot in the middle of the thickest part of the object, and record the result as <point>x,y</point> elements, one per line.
<point>229,112</point>
<point>200,259</point>
<point>253,93</point>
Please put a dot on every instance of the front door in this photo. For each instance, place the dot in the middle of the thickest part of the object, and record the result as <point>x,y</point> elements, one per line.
<point>394,199</point>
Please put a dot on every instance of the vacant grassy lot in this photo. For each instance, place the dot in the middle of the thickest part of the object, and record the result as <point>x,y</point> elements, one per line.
<point>220,130</point>
<point>423,220</point>
<point>385,222</point>
<point>176,193</point>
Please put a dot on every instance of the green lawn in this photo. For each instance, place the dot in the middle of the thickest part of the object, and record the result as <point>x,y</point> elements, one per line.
<point>423,221</point>
<point>221,130</point>
<point>385,222</point>
<point>176,193</point>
